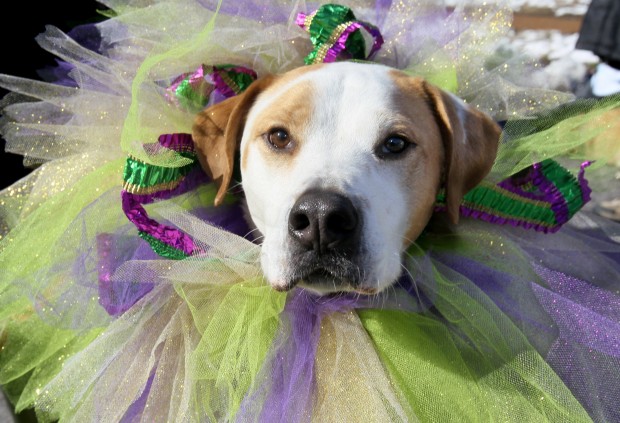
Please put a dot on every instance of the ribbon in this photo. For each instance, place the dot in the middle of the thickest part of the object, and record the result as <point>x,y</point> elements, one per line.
<point>336,34</point>
<point>146,183</point>
<point>542,197</point>
<point>208,85</point>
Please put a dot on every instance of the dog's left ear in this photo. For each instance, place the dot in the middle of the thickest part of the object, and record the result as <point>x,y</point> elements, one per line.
<point>217,134</point>
<point>470,141</point>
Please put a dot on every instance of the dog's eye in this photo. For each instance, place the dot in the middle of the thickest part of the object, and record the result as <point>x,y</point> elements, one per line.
<point>278,137</point>
<point>393,145</point>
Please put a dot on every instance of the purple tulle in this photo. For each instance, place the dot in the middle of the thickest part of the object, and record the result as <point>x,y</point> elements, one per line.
<point>572,322</point>
<point>136,409</point>
<point>230,217</point>
<point>268,13</point>
<point>59,74</point>
<point>290,366</point>
<point>595,329</point>
<point>449,24</point>
<point>589,334</point>
<point>87,36</point>
<point>118,297</point>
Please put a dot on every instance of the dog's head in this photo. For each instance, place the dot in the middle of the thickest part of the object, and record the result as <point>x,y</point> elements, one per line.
<point>341,165</point>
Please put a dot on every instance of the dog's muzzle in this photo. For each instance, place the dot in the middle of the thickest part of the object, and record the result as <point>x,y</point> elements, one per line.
<point>324,229</point>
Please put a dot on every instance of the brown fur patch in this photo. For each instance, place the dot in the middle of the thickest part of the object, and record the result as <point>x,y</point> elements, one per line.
<point>423,168</point>
<point>291,110</point>
<point>463,142</point>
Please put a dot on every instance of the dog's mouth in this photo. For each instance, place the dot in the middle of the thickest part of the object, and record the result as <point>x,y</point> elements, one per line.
<point>324,280</point>
<point>319,276</point>
<point>325,274</point>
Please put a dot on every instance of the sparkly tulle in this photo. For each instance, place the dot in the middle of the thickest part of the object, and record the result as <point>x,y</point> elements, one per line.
<point>480,329</point>
<point>487,323</point>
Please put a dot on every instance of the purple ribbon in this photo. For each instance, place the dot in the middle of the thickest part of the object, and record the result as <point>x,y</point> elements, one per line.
<point>132,203</point>
<point>551,194</point>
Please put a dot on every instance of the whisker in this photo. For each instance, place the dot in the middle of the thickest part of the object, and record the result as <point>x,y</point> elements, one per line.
<point>259,240</point>
<point>251,231</point>
<point>390,292</point>
<point>409,240</point>
<point>385,296</point>
<point>376,299</point>
<point>413,283</point>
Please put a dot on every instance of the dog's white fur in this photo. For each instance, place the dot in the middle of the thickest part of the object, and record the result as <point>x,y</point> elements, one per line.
<point>337,116</point>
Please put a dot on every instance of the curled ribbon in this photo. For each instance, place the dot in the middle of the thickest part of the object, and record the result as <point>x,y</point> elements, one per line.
<point>336,34</point>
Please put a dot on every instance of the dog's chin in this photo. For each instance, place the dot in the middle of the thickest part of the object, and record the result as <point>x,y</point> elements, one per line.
<point>323,282</point>
<point>325,274</point>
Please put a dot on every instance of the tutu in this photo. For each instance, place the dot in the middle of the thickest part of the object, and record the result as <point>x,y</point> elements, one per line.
<point>125,296</point>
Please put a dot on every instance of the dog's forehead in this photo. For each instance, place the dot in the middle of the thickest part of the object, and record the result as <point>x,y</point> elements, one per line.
<point>345,78</point>
<point>343,91</point>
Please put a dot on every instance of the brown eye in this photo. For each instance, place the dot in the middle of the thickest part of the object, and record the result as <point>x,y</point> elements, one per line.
<point>278,137</point>
<point>392,147</point>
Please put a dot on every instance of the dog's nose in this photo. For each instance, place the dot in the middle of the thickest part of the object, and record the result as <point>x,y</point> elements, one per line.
<point>324,220</point>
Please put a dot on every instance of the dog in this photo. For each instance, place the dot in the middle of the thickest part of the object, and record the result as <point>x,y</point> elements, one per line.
<point>341,165</point>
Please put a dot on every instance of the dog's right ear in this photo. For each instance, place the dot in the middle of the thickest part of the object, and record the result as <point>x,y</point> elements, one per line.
<point>217,134</point>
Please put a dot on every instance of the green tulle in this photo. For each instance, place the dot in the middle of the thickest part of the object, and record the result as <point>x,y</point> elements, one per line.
<point>225,367</point>
<point>33,353</point>
<point>52,366</point>
<point>555,133</point>
<point>32,242</point>
<point>33,349</point>
<point>451,379</point>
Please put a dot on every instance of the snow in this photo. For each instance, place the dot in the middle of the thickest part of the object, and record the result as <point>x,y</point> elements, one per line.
<point>562,67</point>
<point>556,7</point>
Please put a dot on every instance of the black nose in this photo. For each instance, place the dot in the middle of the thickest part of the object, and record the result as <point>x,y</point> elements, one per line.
<point>323,221</point>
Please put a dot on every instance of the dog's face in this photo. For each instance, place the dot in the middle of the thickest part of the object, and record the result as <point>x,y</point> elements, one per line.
<point>341,165</point>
